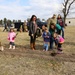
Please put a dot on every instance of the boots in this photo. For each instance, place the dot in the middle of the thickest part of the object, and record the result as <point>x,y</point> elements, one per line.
<point>10,47</point>
<point>34,45</point>
<point>31,46</point>
<point>13,47</point>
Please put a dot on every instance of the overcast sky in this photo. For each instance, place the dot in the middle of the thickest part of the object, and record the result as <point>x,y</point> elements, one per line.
<point>23,9</point>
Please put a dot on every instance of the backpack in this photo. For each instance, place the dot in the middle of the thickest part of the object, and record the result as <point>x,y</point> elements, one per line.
<point>38,32</point>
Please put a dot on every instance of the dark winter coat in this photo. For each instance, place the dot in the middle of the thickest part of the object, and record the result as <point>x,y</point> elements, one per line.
<point>31,28</point>
<point>60,22</point>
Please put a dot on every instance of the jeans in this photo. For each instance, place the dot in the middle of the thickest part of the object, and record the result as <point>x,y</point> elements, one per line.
<point>51,42</point>
<point>62,31</point>
<point>46,46</point>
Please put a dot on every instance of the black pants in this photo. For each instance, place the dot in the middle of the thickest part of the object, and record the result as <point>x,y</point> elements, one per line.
<point>59,45</point>
<point>33,38</point>
<point>12,43</point>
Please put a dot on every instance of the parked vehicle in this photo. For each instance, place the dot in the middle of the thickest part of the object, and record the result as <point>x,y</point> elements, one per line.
<point>18,25</point>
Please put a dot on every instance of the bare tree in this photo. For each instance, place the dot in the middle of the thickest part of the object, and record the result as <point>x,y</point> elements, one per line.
<point>67,5</point>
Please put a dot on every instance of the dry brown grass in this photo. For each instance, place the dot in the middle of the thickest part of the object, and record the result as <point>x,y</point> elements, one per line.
<point>26,62</point>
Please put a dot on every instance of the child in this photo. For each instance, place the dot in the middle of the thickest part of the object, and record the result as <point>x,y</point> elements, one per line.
<point>11,38</point>
<point>59,41</point>
<point>46,37</point>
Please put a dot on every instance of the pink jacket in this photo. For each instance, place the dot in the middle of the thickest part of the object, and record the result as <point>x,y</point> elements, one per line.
<point>11,36</point>
<point>60,39</point>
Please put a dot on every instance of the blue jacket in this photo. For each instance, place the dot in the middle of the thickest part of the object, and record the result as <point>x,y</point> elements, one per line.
<point>46,36</point>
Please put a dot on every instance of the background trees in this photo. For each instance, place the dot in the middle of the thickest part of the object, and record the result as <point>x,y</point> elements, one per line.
<point>67,7</point>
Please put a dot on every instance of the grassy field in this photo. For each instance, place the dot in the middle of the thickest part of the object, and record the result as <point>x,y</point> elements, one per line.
<point>23,61</point>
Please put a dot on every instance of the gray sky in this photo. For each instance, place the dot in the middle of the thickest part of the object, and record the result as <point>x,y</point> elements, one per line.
<point>23,9</point>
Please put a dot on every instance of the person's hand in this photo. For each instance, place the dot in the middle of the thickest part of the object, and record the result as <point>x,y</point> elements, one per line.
<point>47,36</point>
<point>31,34</point>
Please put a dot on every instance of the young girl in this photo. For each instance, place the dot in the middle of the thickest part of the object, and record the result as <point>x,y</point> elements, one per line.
<point>11,38</point>
<point>59,41</point>
<point>46,38</point>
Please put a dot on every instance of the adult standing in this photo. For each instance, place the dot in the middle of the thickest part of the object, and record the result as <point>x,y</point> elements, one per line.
<point>5,27</point>
<point>51,24</point>
<point>60,21</point>
<point>9,25</point>
<point>51,20</point>
<point>32,31</point>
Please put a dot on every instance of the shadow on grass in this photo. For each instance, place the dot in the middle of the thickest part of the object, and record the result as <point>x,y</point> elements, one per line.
<point>27,46</point>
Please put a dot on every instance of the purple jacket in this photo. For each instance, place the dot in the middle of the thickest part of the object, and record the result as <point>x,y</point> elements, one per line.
<point>46,36</point>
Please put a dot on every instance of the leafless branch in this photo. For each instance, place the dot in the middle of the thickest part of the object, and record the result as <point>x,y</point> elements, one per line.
<point>69,7</point>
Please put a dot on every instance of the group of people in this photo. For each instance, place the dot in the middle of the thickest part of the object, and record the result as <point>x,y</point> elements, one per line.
<point>52,33</point>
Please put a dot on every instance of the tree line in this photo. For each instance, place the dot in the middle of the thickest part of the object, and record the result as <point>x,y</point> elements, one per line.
<point>65,10</point>
<point>5,20</point>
